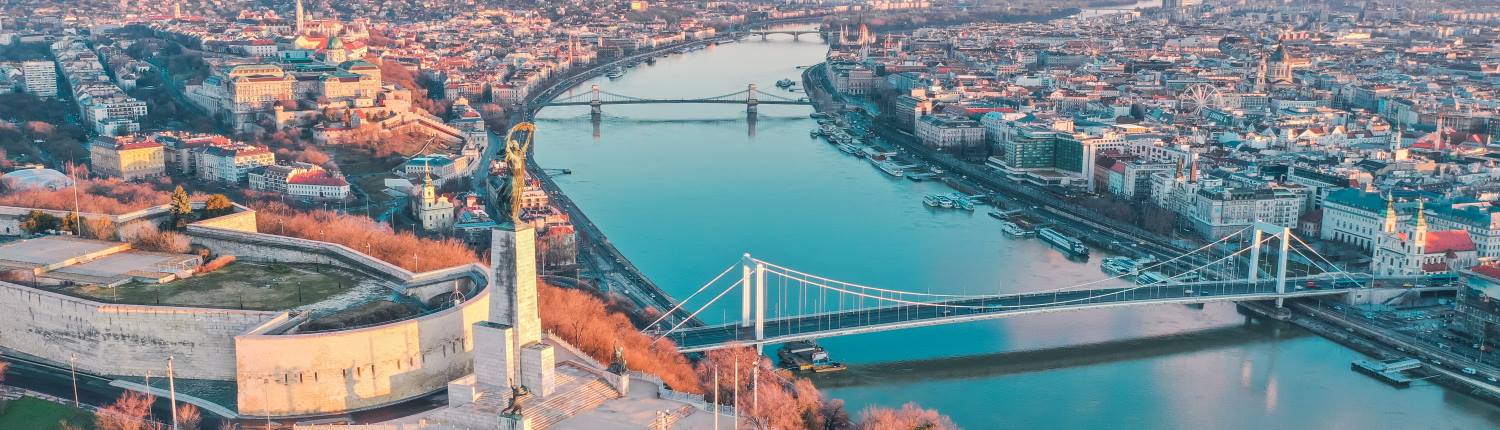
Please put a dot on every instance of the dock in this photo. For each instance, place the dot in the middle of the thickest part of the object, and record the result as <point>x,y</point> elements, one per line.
<point>1388,372</point>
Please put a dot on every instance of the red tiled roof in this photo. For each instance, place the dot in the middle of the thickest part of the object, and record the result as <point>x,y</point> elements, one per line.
<point>1449,240</point>
<point>1487,270</point>
<point>318,178</point>
<point>1434,267</point>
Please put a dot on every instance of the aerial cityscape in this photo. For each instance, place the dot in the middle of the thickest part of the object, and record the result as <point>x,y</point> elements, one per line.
<point>765,214</point>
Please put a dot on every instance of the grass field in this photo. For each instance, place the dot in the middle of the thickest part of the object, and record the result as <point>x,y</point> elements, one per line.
<point>365,171</point>
<point>241,285</point>
<point>32,413</point>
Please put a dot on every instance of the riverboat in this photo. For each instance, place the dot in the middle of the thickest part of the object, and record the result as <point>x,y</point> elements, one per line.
<point>889,168</point>
<point>615,73</point>
<point>1119,266</point>
<point>1013,230</point>
<point>1063,242</point>
<point>962,202</point>
<point>930,200</point>
<point>806,356</point>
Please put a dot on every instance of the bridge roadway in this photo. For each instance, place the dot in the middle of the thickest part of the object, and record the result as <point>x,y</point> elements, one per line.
<point>678,101</point>
<point>885,318</point>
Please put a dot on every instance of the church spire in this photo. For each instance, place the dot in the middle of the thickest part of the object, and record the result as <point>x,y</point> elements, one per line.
<point>301,16</point>
<point>1421,218</point>
<point>1390,214</point>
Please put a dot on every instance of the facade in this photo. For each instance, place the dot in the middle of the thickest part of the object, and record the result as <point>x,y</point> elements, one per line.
<point>40,78</point>
<point>127,158</point>
<point>1029,147</point>
<point>1481,220</point>
<point>950,134</point>
<point>318,184</point>
<point>231,163</point>
<point>1356,217</point>
<point>434,211</point>
<point>1413,250</point>
<point>1477,306</point>
<point>112,115</point>
<point>1221,211</point>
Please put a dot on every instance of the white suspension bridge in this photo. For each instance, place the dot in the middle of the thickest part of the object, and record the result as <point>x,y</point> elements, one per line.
<point>780,304</point>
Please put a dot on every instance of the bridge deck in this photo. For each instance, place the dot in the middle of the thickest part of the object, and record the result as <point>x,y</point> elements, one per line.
<point>896,317</point>
<point>679,101</point>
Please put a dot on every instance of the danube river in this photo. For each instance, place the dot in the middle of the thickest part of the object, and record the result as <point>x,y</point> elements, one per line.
<point>684,190</point>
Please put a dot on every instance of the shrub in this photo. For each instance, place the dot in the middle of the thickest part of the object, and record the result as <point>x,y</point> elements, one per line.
<point>581,319</point>
<point>216,264</point>
<point>364,235</point>
<point>103,196</point>
<point>146,236</point>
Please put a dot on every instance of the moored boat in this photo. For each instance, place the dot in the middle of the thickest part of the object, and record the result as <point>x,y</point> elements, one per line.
<point>1063,242</point>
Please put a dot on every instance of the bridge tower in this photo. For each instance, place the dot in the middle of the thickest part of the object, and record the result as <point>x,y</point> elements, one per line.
<point>1285,245</point>
<point>753,295</point>
<point>750,101</point>
<point>596,105</point>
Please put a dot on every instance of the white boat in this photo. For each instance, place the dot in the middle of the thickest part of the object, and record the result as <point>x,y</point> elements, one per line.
<point>1012,229</point>
<point>889,168</point>
<point>848,149</point>
<point>1063,242</point>
<point>1119,266</point>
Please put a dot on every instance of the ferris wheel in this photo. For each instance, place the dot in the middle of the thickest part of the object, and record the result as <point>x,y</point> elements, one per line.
<point>1195,97</point>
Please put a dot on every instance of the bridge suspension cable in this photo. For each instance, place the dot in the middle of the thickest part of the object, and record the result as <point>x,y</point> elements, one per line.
<point>695,313</point>
<point>1064,288</point>
<point>683,302</point>
<point>878,298</point>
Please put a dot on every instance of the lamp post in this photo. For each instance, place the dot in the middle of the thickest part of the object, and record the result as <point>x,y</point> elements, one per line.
<point>73,369</point>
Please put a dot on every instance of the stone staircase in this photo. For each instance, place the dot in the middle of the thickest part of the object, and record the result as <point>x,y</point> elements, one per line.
<point>577,399</point>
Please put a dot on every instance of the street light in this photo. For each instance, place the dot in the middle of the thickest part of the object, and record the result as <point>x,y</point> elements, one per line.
<point>73,369</point>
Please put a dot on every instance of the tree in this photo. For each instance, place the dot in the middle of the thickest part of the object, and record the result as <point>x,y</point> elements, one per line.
<point>182,207</point>
<point>217,205</point>
<point>128,412</point>
<point>70,224</point>
<point>910,416</point>
<point>38,222</point>
<point>188,417</point>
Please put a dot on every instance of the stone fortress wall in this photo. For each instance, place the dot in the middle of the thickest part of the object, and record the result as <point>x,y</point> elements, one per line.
<point>278,375</point>
<point>126,340</point>
<point>332,372</point>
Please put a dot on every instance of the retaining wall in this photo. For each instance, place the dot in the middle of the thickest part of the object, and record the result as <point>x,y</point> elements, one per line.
<point>123,340</point>
<point>334,372</point>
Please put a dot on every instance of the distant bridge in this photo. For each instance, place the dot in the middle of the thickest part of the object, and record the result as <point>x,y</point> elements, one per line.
<point>750,97</point>
<point>796,34</point>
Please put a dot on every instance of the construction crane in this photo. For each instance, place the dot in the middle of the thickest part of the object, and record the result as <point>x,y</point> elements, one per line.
<point>515,160</point>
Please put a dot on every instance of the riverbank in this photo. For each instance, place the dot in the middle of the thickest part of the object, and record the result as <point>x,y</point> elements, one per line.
<point>1375,344</point>
<point>1369,341</point>
<point>614,269</point>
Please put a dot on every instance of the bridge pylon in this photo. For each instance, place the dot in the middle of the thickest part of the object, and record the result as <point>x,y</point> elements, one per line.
<point>750,101</point>
<point>596,104</point>
<point>753,296</point>
<point>1284,234</point>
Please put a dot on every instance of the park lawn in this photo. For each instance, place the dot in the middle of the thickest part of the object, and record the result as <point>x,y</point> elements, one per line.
<point>34,413</point>
<point>365,171</point>
<point>240,285</point>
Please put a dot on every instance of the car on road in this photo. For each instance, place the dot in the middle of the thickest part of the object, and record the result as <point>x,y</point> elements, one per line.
<point>1470,370</point>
